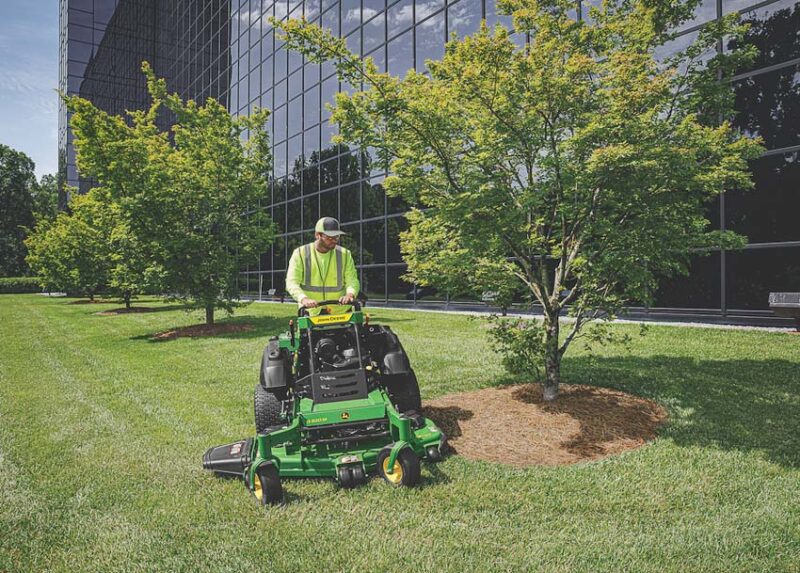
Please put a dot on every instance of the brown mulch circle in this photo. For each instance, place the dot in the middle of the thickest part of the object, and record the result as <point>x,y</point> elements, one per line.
<point>133,309</point>
<point>198,330</point>
<point>515,426</point>
<point>87,301</point>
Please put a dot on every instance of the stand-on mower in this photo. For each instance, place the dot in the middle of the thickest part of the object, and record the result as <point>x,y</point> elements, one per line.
<point>337,398</point>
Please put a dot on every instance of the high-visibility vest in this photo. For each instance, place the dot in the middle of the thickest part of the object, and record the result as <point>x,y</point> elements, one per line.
<point>314,284</point>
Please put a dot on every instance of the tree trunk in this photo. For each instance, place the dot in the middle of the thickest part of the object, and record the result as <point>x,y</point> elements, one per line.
<point>210,314</point>
<point>127,296</point>
<point>552,358</point>
<point>91,296</point>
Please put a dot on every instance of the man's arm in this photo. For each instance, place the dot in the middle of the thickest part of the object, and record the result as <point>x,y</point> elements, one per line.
<point>294,277</point>
<point>352,286</point>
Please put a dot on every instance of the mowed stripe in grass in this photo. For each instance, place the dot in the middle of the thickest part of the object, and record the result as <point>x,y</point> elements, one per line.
<point>102,430</point>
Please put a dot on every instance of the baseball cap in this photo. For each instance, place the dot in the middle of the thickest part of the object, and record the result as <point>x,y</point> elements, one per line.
<point>328,226</point>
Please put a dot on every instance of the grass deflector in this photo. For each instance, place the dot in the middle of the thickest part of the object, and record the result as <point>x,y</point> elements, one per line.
<point>337,397</point>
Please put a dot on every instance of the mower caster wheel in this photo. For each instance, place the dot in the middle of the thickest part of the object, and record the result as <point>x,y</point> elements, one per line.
<point>406,470</point>
<point>267,485</point>
<point>351,476</point>
<point>433,454</point>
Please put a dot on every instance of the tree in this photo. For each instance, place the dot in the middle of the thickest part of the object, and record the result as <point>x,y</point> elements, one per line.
<point>189,195</point>
<point>73,252</point>
<point>17,184</point>
<point>45,198</point>
<point>578,165</point>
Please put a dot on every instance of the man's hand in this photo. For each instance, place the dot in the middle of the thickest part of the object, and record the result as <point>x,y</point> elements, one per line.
<point>309,302</point>
<point>346,299</point>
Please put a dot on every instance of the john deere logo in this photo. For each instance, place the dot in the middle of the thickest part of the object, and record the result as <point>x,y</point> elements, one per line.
<point>345,415</point>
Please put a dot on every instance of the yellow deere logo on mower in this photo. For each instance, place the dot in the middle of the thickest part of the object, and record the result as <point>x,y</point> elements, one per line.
<point>345,415</point>
<point>329,319</point>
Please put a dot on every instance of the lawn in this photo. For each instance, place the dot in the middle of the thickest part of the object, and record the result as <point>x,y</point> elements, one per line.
<point>102,432</point>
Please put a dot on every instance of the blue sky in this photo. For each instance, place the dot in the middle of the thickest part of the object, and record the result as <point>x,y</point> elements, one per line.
<point>28,78</point>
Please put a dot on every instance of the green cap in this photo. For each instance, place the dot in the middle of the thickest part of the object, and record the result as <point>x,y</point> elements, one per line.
<point>328,226</point>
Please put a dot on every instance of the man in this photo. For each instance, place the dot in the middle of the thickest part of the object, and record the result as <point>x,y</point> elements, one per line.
<point>322,270</point>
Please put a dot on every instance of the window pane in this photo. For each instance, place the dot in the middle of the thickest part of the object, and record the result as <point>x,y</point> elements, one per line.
<point>773,31</point>
<point>397,288</point>
<point>769,105</point>
<point>430,41</point>
<point>352,240</point>
<point>770,211</point>
<point>295,161</point>
<point>373,284</point>
<point>425,8</point>
<point>400,17</point>
<point>293,216</point>
<point>707,10</point>
<point>753,274</point>
<point>350,202</point>
<point>329,174</point>
<point>374,32</point>
<point>464,18</point>
<point>349,168</point>
<point>373,198</point>
<point>310,211</point>
<point>329,204</point>
<point>351,15</point>
<point>394,227</point>
<point>493,18</point>
<point>401,54</point>
<point>295,116</point>
<point>700,289</point>
<point>374,235</point>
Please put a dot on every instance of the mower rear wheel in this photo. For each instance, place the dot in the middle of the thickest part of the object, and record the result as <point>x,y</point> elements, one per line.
<point>267,486</point>
<point>406,470</point>
<point>350,476</point>
<point>404,391</point>
<point>268,409</point>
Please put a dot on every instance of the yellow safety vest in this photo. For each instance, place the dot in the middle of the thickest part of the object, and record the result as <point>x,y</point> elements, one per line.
<point>316,286</point>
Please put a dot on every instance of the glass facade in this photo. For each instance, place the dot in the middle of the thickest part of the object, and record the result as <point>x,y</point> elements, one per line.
<point>227,50</point>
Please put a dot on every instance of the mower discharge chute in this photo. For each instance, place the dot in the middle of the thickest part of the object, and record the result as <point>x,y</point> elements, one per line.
<point>337,398</point>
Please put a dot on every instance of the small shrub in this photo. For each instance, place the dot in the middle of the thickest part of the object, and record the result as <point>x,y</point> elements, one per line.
<point>16,285</point>
<point>520,342</point>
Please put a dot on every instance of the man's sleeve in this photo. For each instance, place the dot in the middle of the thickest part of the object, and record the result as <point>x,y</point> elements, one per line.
<point>294,276</point>
<point>351,275</point>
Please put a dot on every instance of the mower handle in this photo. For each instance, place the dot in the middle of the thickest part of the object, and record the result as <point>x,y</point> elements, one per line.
<point>303,311</point>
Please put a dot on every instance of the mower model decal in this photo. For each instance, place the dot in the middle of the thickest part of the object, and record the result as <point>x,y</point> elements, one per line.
<point>345,415</point>
<point>331,318</point>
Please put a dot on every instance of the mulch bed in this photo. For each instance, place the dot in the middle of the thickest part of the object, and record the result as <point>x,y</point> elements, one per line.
<point>198,330</point>
<point>133,309</point>
<point>515,426</point>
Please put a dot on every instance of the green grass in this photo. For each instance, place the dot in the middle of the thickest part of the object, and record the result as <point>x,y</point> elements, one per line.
<point>102,433</point>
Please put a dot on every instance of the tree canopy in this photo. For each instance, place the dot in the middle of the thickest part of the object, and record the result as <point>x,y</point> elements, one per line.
<point>579,165</point>
<point>189,194</point>
<point>17,188</point>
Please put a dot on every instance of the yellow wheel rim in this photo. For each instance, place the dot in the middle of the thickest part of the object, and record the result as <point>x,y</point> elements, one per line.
<point>396,476</point>
<point>257,491</point>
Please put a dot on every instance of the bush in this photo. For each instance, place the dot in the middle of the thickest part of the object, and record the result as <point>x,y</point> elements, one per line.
<point>520,342</point>
<point>15,285</point>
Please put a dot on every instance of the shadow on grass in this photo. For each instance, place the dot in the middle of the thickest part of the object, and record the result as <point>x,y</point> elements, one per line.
<point>252,327</point>
<point>745,405</point>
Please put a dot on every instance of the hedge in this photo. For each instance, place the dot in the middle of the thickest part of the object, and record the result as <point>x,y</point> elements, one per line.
<point>14,285</point>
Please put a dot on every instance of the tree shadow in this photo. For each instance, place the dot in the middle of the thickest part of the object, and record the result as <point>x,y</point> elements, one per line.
<point>744,405</point>
<point>448,418</point>
<point>239,327</point>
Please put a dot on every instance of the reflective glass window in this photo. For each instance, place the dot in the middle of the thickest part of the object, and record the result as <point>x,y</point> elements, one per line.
<point>374,32</point>
<point>330,20</point>
<point>493,18</point>
<point>279,159</point>
<point>706,11</point>
<point>311,110</point>
<point>330,88</point>
<point>374,242</point>
<point>401,54</point>
<point>394,226</point>
<point>280,93</point>
<point>379,58</point>
<point>372,7</point>
<point>350,202</point>
<point>353,42</point>
<point>311,72</point>
<point>295,84</point>
<point>351,15</point>
<point>373,199</point>
<point>752,274</point>
<point>296,116</point>
<point>328,174</point>
<point>310,210</point>
<point>425,8</point>
<point>430,40</point>
<point>279,124</point>
<point>311,143</point>
<point>400,17</point>
<point>293,216</point>
<point>373,283</point>
<point>396,287</point>
<point>311,9</point>
<point>768,105</point>
<point>329,203</point>
<point>700,289</point>
<point>464,17</point>
<point>773,31</point>
<point>769,212</point>
<point>295,151</point>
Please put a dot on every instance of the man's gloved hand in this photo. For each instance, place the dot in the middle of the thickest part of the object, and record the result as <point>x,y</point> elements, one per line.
<point>346,299</point>
<point>309,302</point>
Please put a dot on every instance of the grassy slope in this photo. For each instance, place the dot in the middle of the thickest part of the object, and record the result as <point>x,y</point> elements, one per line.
<point>102,431</point>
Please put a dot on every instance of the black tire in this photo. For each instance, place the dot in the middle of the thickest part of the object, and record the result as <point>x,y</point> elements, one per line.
<point>406,465</point>
<point>403,391</point>
<point>267,487</point>
<point>433,454</point>
<point>267,408</point>
<point>358,475</point>
<point>345,477</point>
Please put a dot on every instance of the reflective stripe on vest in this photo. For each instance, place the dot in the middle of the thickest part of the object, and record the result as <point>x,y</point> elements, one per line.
<point>308,287</point>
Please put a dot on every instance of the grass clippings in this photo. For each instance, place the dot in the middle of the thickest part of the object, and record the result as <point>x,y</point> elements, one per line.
<point>515,426</point>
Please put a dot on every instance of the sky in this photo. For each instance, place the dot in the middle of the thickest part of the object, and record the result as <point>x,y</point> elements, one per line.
<point>28,80</point>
